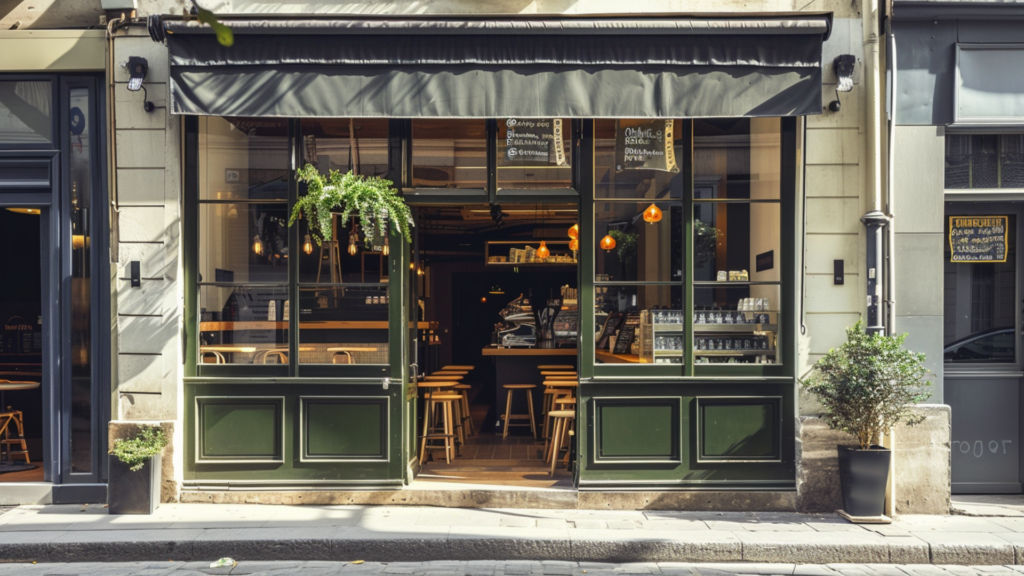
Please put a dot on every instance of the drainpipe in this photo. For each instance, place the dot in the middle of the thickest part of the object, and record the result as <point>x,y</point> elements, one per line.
<point>890,184</point>
<point>875,219</point>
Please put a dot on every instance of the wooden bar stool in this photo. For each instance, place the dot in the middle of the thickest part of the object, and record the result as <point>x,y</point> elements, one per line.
<point>6,418</point>
<point>509,416</point>
<point>436,398</point>
<point>554,389</point>
<point>466,417</point>
<point>563,419</point>
<point>458,367</point>
<point>558,373</point>
<point>450,372</point>
<point>556,367</point>
<point>441,378</point>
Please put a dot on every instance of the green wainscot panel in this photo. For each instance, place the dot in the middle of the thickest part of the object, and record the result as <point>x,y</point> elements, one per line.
<point>637,430</point>
<point>344,428</point>
<point>240,428</point>
<point>739,429</point>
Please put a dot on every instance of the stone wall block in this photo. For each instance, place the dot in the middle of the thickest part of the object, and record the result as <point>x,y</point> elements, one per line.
<point>923,463</point>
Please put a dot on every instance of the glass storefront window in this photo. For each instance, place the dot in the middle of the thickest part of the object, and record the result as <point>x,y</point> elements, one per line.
<point>80,120</point>
<point>243,324</point>
<point>26,116</point>
<point>979,304</point>
<point>984,161</point>
<point>614,179</point>
<point>737,158</point>
<point>343,325</point>
<point>641,324</point>
<point>243,242</point>
<point>737,237</point>
<point>736,324</point>
<point>534,153</point>
<point>346,144</point>
<point>449,153</point>
<point>643,251</point>
<point>243,159</point>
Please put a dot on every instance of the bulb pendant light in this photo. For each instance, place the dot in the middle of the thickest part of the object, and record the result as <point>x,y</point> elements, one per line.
<point>652,214</point>
<point>257,245</point>
<point>543,251</point>
<point>574,232</point>
<point>307,245</point>
<point>387,247</point>
<point>608,243</point>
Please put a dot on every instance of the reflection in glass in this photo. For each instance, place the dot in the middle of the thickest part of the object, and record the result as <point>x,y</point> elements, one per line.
<point>737,158</point>
<point>542,166</point>
<point>328,144</point>
<point>81,326</point>
<point>25,112</point>
<point>243,158</point>
<point>449,153</point>
<point>243,325</point>
<point>333,261</point>
<point>737,237</point>
<point>243,242</point>
<point>643,251</point>
<point>736,324</point>
<point>979,307</point>
<point>631,183</point>
<point>343,325</point>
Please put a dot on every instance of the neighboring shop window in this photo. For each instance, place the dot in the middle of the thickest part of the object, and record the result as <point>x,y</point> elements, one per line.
<point>737,256</point>
<point>243,240</point>
<point>449,153</point>
<point>985,161</point>
<point>80,166</point>
<point>980,287</point>
<point>25,112</point>
<point>638,231</point>
<point>534,153</point>
<point>343,284</point>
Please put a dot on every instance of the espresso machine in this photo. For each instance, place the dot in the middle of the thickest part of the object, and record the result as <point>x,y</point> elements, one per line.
<point>518,327</point>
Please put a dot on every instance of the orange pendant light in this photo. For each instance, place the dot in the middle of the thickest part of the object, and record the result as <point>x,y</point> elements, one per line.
<point>543,251</point>
<point>574,232</point>
<point>574,244</point>
<point>652,214</point>
<point>607,243</point>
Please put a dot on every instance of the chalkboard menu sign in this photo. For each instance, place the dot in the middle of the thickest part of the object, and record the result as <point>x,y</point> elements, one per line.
<point>532,141</point>
<point>644,145</point>
<point>627,335</point>
<point>978,239</point>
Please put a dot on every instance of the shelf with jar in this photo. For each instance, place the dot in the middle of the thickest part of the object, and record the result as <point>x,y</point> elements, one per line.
<point>662,336</point>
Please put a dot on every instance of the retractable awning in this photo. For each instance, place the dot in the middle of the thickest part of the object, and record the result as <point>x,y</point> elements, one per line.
<point>592,67</point>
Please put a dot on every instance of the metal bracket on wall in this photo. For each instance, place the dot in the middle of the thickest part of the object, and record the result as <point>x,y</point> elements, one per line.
<point>387,382</point>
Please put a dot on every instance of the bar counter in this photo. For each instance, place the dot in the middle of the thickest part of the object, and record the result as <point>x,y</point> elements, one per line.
<point>520,366</point>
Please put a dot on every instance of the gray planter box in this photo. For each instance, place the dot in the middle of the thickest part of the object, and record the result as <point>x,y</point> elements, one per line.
<point>133,492</point>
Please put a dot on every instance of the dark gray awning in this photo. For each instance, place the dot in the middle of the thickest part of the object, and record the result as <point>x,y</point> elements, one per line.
<point>490,68</point>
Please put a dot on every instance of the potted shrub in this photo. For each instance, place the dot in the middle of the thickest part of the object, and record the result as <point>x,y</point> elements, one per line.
<point>135,474</point>
<point>373,200</point>
<point>867,386</point>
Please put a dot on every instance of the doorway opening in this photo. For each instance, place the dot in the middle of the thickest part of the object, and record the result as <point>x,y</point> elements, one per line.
<point>21,348</point>
<point>499,287</point>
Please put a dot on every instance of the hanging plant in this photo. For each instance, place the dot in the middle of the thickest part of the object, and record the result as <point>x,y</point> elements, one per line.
<point>373,199</point>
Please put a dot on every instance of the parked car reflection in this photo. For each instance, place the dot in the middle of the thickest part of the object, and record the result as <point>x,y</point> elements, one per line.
<point>989,346</point>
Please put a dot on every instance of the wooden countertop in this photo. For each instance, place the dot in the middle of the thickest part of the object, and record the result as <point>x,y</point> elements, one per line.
<point>495,351</point>
<point>609,358</point>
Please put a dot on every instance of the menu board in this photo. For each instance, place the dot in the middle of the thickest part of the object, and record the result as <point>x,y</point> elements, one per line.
<point>978,239</point>
<point>533,141</point>
<point>644,145</point>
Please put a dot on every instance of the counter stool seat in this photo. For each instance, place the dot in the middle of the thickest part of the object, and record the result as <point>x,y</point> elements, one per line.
<point>509,416</point>
<point>556,367</point>
<point>459,367</point>
<point>562,420</point>
<point>558,373</point>
<point>450,373</point>
<point>441,378</point>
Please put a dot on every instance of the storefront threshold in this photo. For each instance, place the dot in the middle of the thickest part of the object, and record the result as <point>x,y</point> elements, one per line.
<point>18,493</point>
<point>448,495</point>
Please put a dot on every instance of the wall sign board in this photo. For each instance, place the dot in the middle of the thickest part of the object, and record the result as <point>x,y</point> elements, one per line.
<point>978,239</point>
<point>645,145</point>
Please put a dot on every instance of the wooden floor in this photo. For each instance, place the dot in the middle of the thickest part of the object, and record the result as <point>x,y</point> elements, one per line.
<point>25,475</point>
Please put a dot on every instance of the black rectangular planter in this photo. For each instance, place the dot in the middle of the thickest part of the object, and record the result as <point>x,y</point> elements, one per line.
<point>133,492</point>
<point>863,475</point>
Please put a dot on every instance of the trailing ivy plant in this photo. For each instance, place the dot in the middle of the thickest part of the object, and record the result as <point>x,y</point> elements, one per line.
<point>869,384</point>
<point>373,199</point>
<point>136,451</point>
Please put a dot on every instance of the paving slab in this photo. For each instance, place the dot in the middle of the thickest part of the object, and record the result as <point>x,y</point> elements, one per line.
<point>968,548</point>
<point>813,547</point>
<point>655,546</point>
<point>467,543</point>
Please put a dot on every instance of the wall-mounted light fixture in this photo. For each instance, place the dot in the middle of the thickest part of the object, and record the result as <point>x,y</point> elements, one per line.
<point>137,68</point>
<point>842,65</point>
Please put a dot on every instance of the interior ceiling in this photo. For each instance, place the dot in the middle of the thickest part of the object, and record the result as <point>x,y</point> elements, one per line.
<point>476,218</point>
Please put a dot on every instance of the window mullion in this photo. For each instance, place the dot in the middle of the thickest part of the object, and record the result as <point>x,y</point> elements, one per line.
<point>295,155</point>
<point>687,279</point>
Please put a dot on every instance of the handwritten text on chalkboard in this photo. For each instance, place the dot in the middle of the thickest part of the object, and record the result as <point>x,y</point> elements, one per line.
<point>978,239</point>
<point>645,145</point>
<point>533,141</point>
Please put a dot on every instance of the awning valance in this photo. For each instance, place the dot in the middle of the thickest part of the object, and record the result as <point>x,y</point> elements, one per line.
<point>490,68</point>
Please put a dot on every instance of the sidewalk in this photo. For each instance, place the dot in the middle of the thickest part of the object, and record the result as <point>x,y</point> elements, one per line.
<point>205,532</point>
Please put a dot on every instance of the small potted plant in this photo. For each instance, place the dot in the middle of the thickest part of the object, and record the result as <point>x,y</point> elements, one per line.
<point>867,386</point>
<point>135,474</point>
